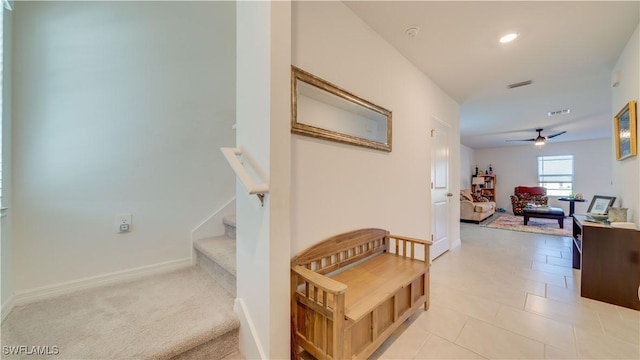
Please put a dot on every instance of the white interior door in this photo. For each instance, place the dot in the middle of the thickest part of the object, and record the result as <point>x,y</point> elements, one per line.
<point>440,193</point>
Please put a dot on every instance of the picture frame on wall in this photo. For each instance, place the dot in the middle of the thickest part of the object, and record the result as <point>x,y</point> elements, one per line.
<point>625,131</point>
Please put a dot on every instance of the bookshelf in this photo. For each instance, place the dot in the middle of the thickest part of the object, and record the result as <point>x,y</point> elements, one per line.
<point>487,188</point>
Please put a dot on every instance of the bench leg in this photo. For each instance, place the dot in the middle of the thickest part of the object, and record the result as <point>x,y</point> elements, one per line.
<point>526,219</point>
<point>561,222</point>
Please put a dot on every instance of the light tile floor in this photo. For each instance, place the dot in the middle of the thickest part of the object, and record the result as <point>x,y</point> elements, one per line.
<point>512,295</point>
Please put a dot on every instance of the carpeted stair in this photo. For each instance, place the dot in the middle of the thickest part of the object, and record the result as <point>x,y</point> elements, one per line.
<point>217,256</point>
<point>184,314</point>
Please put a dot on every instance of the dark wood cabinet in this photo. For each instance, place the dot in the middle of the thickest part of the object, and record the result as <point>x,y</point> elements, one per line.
<point>609,259</point>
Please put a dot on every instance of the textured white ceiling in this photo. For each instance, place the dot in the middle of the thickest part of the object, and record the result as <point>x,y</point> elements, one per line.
<point>568,49</point>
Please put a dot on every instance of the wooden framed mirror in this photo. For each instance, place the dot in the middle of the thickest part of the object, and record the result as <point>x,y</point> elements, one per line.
<point>323,110</point>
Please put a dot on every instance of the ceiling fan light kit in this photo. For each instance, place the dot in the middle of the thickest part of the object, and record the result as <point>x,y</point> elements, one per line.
<point>540,140</point>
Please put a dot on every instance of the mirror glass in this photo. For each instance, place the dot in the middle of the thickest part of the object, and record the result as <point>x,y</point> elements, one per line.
<point>323,110</point>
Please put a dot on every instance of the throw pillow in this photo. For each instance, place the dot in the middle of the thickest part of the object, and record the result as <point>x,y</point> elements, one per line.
<point>479,198</point>
<point>466,195</point>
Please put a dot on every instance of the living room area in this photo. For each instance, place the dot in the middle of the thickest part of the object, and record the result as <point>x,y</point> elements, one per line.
<point>508,136</point>
<point>518,167</point>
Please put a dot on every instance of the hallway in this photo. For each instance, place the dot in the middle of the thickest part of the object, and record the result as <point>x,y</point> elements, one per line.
<point>512,295</point>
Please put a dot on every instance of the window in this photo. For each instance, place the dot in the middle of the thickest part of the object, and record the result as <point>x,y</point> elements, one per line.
<point>556,174</point>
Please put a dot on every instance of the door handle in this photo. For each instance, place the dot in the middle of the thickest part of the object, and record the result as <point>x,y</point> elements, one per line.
<point>449,194</point>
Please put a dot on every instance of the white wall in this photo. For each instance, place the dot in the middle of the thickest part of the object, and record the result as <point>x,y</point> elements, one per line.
<point>467,166</point>
<point>626,173</point>
<point>518,166</point>
<point>119,107</point>
<point>338,187</point>
<point>263,113</point>
<point>6,227</point>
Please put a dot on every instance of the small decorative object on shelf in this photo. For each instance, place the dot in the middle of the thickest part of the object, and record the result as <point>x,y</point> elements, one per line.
<point>490,170</point>
<point>476,169</point>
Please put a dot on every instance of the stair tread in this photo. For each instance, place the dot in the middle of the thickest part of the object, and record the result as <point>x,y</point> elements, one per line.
<point>158,316</point>
<point>220,249</point>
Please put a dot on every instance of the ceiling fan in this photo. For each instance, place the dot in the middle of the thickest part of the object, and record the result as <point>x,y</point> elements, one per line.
<point>539,141</point>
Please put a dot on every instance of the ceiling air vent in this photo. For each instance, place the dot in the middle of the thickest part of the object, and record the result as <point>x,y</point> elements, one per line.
<point>519,84</point>
<point>558,112</point>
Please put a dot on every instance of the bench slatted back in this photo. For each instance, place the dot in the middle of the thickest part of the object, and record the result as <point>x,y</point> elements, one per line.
<point>344,249</point>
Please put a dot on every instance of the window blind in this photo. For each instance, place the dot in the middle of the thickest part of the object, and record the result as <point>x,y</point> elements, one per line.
<point>555,173</point>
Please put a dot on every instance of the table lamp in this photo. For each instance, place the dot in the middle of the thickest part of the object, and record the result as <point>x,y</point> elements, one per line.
<point>478,181</point>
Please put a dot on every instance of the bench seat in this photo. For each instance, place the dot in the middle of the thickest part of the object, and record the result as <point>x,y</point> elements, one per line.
<point>376,280</point>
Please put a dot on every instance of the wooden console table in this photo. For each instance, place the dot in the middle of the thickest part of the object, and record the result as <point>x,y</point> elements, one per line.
<point>609,259</point>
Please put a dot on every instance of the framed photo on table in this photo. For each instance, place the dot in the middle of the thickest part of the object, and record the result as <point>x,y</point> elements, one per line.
<point>600,204</point>
<point>624,131</point>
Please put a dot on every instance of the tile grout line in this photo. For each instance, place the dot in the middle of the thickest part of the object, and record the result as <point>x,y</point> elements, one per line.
<point>510,331</point>
<point>575,339</point>
<point>546,290</point>
<point>460,332</point>
<point>424,342</point>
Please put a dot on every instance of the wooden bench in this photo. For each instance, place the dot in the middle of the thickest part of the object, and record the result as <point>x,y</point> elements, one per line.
<point>351,291</point>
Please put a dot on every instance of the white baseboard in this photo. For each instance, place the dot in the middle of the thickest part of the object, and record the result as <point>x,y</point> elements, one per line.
<point>7,307</point>
<point>49,291</point>
<point>456,243</point>
<point>250,345</point>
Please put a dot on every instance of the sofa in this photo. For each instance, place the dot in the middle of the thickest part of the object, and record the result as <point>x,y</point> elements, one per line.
<point>523,195</point>
<point>474,208</point>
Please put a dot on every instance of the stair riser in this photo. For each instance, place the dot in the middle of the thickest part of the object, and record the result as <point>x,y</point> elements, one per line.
<point>219,274</point>
<point>230,230</point>
<point>216,349</point>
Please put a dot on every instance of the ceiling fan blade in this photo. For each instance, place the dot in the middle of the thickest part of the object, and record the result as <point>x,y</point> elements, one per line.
<point>523,140</point>
<point>554,135</point>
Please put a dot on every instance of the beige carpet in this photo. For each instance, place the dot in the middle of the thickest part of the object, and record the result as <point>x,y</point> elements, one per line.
<point>535,225</point>
<point>157,317</point>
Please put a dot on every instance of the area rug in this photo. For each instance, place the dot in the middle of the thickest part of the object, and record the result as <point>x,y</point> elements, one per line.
<point>535,225</point>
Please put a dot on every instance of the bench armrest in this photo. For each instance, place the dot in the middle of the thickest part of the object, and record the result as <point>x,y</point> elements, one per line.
<point>419,241</point>
<point>403,241</point>
<point>320,281</point>
<point>322,299</point>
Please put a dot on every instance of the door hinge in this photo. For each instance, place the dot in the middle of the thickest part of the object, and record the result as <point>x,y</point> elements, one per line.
<point>432,185</point>
<point>432,131</point>
<point>431,237</point>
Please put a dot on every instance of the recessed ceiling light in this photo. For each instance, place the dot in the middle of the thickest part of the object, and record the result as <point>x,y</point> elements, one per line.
<point>508,38</point>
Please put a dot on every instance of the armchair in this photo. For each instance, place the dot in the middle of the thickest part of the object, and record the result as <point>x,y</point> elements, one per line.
<point>523,195</point>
